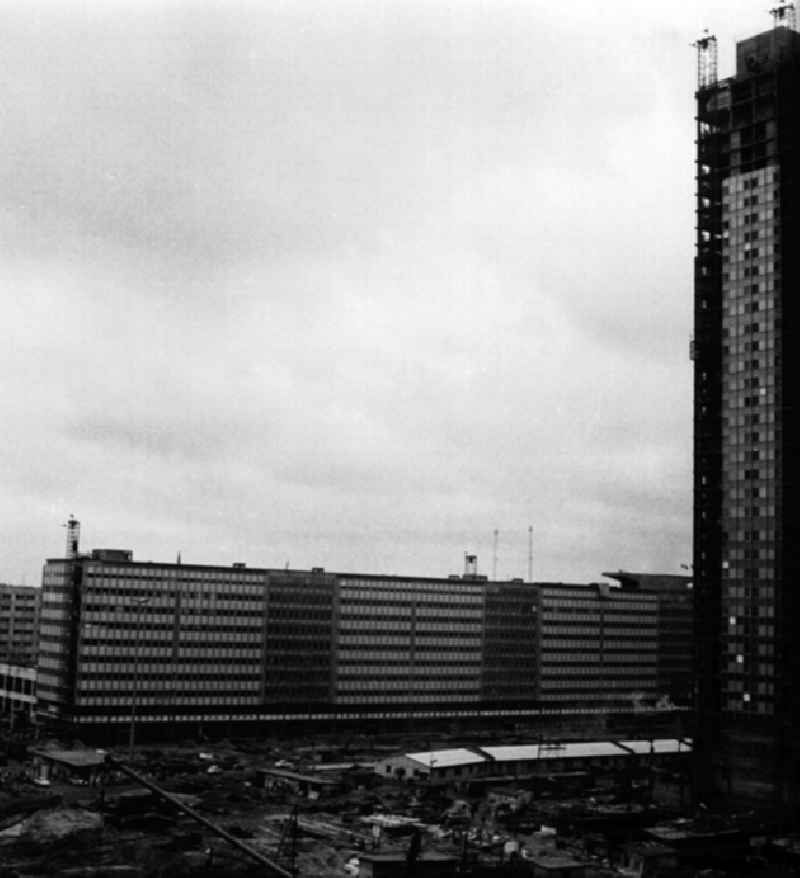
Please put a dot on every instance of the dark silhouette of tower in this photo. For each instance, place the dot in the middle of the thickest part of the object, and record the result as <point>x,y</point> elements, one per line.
<point>746,444</point>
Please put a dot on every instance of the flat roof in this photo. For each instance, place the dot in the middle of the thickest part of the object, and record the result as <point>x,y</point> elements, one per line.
<point>244,568</point>
<point>659,745</point>
<point>446,758</point>
<point>565,750</point>
<point>401,856</point>
<point>73,758</point>
<point>295,775</point>
<point>556,861</point>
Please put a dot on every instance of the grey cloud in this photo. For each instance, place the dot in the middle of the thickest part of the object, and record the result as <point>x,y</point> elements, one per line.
<point>349,284</point>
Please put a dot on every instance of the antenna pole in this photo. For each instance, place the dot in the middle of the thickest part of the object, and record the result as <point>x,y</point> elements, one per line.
<point>530,553</point>
<point>494,557</point>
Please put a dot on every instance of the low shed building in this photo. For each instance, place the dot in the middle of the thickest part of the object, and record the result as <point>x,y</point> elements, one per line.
<point>461,765</point>
<point>436,767</point>
<point>309,785</point>
<point>77,766</point>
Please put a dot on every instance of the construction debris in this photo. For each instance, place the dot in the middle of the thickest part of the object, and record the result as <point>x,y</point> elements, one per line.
<point>280,808</point>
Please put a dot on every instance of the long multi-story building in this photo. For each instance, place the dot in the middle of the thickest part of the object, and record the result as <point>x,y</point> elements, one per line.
<point>19,624</point>
<point>194,644</point>
<point>746,439</point>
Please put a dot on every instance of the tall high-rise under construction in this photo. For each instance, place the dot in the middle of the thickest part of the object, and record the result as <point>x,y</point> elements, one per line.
<point>747,460</point>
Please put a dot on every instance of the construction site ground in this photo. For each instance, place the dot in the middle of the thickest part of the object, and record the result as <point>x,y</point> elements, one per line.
<point>116,827</point>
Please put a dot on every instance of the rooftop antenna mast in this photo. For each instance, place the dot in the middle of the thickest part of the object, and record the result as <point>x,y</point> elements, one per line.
<point>784,15</point>
<point>530,553</point>
<point>494,557</point>
<point>706,60</point>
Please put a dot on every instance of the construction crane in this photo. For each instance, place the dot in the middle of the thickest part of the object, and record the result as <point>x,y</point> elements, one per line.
<point>706,47</point>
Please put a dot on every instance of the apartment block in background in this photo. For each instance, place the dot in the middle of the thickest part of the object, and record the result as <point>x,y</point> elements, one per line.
<point>19,624</point>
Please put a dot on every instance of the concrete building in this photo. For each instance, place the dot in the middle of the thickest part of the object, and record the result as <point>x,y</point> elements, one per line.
<point>597,647</point>
<point>409,641</point>
<point>510,644</point>
<point>203,644</point>
<point>183,643</point>
<point>674,630</point>
<point>175,644</point>
<point>17,692</point>
<point>746,440</point>
<point>19,624</point>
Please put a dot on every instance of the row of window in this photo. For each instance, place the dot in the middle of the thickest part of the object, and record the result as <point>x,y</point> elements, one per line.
<point>107,698</point>
<point>214,680</point>
<point>459,594</point>
<point>633,684</point>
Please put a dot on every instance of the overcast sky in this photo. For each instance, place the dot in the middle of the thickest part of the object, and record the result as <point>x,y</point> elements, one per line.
<point>351,284</point>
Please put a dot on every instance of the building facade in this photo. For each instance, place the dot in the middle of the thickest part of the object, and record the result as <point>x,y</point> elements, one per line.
<point>19,624</point>
<point>597,646</point>
<point>17,693</point>
<point>408,643</point>
<point>745,441</point>
<point>674,630</point>
<point>511,644</point>
<point>197,644</point>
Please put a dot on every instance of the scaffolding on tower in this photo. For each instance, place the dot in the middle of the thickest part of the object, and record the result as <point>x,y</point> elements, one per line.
<point>73,527</point>
<point>706,60</point>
